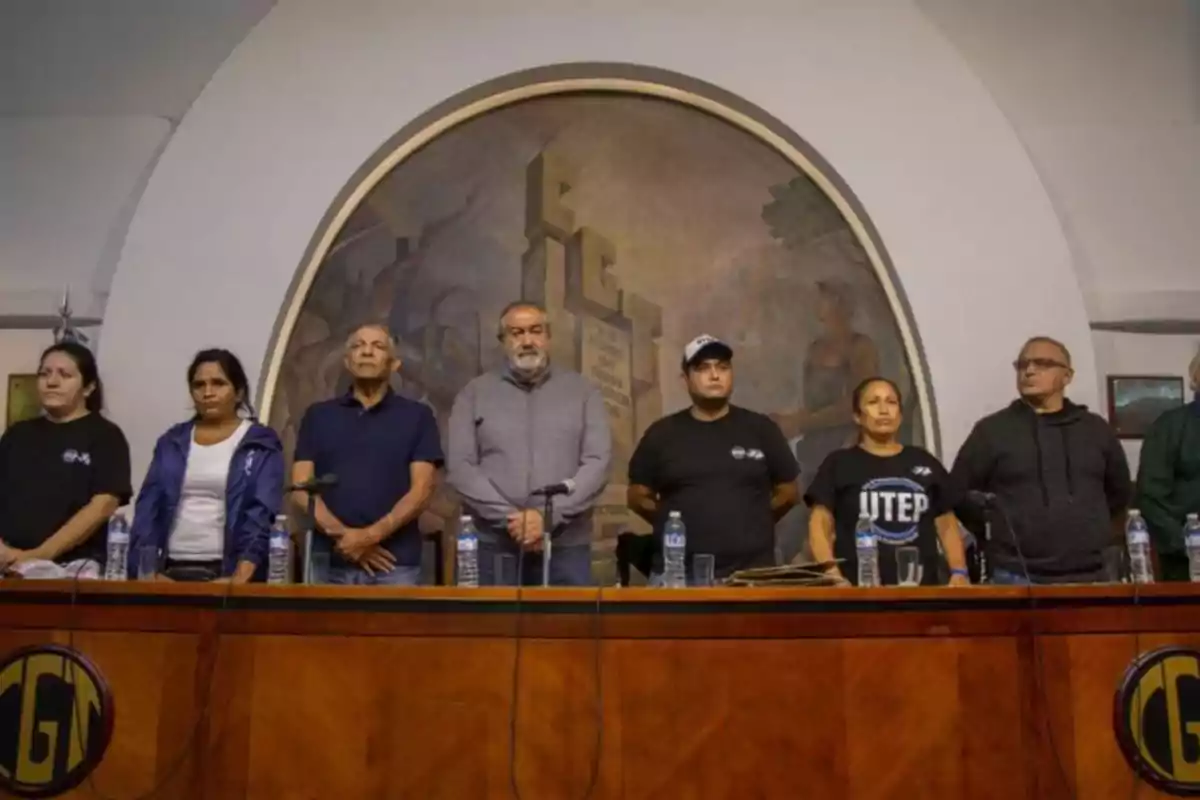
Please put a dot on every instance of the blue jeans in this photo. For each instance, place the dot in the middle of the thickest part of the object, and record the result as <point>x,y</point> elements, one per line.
<point>357,576</point>
<point>1002,577</point>
<point>569,566</point>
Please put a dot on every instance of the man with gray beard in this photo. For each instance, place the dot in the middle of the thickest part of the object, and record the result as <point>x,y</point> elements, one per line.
<point>520,428</point>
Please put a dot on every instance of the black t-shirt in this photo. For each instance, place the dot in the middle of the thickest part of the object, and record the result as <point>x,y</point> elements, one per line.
<point>719,476</point>
<point>903,493</point>
<point>50,470</point>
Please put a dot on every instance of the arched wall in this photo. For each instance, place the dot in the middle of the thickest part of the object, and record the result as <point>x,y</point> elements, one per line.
<point>230,212</point>
<point>620,79</point>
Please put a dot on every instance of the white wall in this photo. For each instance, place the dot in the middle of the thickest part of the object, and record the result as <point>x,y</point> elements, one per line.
<point>89,93</point>
<point>70,187</point>
<point>1105,95</point>
<point>116,58</point>
<point>317,86</point>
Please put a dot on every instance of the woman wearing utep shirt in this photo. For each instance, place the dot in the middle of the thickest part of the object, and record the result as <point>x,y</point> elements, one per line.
<point>63,474</point>
<point>215,483</point>
<point>904,489</point>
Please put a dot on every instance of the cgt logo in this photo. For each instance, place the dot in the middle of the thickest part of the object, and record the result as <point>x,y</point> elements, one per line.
<point>56,718</point>
<point>1156,715</point>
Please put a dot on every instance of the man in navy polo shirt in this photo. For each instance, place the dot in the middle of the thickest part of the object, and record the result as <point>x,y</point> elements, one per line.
<point>385,452</point>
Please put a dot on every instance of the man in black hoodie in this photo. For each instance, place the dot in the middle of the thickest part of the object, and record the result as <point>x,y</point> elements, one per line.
<point>1059,477</point>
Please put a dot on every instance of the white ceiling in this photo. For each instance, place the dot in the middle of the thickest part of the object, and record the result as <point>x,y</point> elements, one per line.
<point>115,57</point>
<point>1061,62</point>
<point>1081,62</point>
<point>1105,95</point>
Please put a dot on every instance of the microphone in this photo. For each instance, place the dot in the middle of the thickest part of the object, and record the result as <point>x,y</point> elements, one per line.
<point>554,489</point>
<point>314,485</point>
<point>982,499</point>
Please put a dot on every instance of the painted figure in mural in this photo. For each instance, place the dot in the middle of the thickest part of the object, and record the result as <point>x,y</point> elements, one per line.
<point>905,490</point>
<point>836,361</point>
<point>1058,472</point>
<point>1169,480</point>
<point>385,451</point>
<point>521,427</point>
<point>727,470</point>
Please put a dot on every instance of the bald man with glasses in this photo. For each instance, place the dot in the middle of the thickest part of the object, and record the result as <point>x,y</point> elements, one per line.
<point>1057,473</point>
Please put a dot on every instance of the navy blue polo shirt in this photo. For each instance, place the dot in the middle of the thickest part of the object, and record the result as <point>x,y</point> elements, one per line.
<point>370,450</point>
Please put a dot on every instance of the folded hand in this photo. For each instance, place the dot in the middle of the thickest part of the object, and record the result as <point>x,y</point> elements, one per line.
<point>11,556</point>
<point>354,543</point>
<point>376,560</point>
<point>526,527</point>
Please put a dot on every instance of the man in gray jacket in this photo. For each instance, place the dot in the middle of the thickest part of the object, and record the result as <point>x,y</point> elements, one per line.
<point>522,428</point>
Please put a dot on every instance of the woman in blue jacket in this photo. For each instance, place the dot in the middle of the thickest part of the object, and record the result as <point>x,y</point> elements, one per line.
<point>215,483</point>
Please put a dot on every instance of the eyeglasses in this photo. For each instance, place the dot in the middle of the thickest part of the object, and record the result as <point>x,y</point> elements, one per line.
<point>1039,364</point>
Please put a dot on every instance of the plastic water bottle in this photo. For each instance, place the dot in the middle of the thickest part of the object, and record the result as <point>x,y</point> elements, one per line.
<point>867,549</point>
<point>468,552</point>
<point>116,565</point>
<point>279,551</point>
<point>674,552</point>
<point>1137,541</point>
<point>1191,540</point>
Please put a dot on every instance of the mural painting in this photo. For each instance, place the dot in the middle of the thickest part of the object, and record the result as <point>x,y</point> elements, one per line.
<point>639,223</point>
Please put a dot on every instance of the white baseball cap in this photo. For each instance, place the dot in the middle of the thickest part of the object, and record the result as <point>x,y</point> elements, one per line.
<point>707,347</point>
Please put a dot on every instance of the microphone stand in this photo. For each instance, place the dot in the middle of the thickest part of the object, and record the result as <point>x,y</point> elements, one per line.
<point>309,529</point>
<point>984,576</point>
<point>546,541</point>
<point>311,488</point>
<point>310,524</point>
<point>989,507</point>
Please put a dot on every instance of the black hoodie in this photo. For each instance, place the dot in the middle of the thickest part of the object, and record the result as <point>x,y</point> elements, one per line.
<point>1059,479</point>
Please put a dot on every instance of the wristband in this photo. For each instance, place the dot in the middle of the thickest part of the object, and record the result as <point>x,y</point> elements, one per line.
<point>961,572</point>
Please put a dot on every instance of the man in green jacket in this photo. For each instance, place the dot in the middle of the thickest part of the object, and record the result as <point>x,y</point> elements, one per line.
<point>1168,485</point>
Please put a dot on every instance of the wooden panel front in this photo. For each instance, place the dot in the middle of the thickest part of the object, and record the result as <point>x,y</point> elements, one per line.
<point>312,693</point>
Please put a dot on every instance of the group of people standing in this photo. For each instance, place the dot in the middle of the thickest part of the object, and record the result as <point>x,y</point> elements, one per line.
<point>1051,475</point>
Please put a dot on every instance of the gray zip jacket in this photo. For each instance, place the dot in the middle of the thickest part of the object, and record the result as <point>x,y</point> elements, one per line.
<point>508,439</point>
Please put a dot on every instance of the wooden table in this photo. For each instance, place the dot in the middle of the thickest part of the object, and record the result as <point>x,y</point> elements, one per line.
<point>346,693</point>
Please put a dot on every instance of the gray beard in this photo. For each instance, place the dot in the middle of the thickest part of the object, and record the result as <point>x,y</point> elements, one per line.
<point>530,373</point>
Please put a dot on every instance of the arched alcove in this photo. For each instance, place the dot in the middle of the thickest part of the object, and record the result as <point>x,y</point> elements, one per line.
<point>641,208</point>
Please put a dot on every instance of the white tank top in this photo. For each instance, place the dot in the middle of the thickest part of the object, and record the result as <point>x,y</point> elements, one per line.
<point>198,533</point>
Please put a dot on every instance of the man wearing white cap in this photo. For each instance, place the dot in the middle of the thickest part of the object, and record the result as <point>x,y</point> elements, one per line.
<point>727,470</point>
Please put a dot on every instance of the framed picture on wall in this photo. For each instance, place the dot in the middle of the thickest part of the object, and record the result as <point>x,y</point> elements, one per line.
<point>22,399</point>
<point>1136,401</point>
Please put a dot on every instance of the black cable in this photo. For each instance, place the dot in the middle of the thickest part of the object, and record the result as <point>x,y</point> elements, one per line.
<point>1039,667</point>
<point>515,697</point>
<point>598,669</point>
<point>597,649</point>
<point>1137,652</point>
<point>1137,690</point>
<point>202,714</point>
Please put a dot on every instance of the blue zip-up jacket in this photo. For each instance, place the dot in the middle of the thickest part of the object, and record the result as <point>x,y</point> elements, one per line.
<point>253,495</point>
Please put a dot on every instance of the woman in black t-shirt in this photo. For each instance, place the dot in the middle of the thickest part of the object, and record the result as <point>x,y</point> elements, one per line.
<point>904,489</point>
<point>63,474</point>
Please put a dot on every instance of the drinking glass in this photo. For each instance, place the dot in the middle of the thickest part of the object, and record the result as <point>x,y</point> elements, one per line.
<point>909,570</point>
<point>320,566</point>
<point>1114,564</point>
<point>147,563</point>
<point>504,570</point>
<point>703,567</point>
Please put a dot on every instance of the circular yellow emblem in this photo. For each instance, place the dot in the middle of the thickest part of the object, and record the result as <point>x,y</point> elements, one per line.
<point>56,719</point>
<point>1157,719</point>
